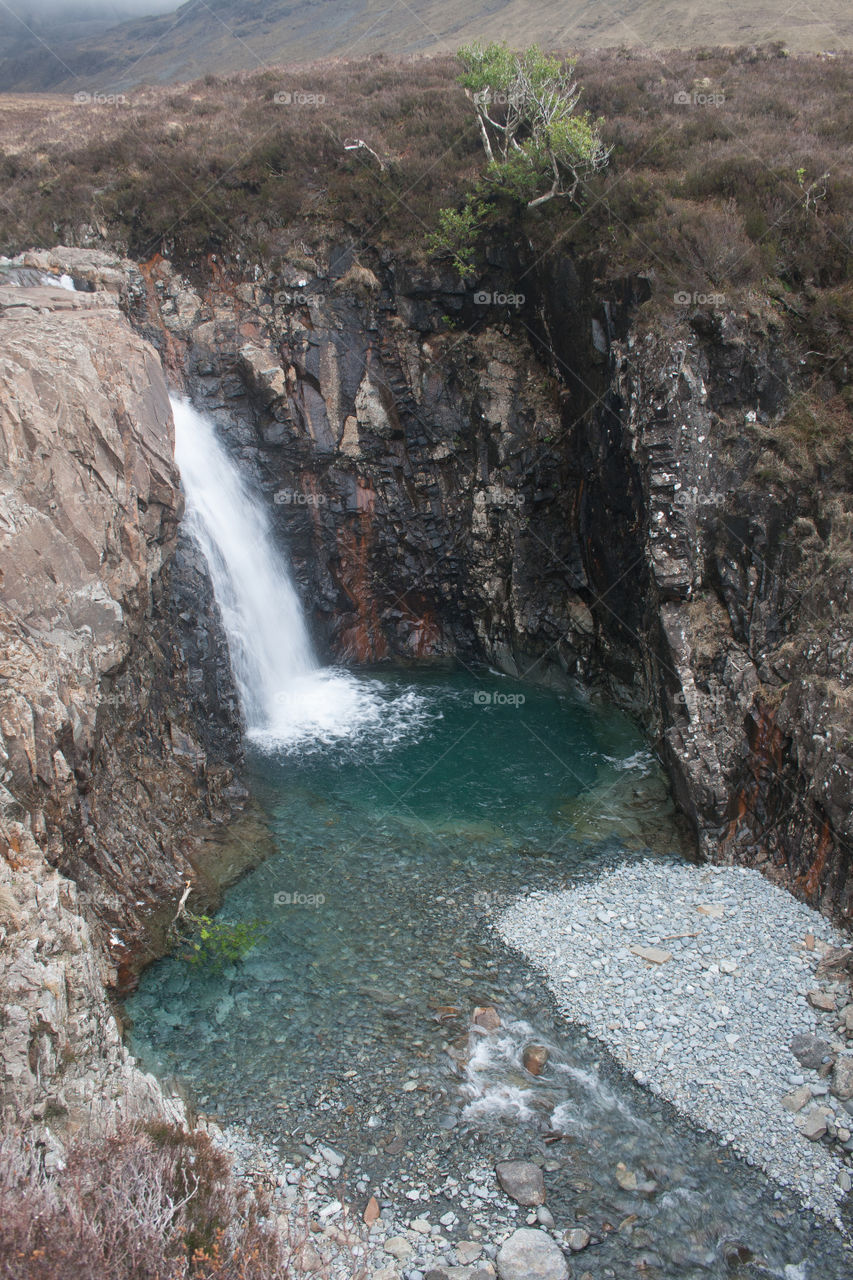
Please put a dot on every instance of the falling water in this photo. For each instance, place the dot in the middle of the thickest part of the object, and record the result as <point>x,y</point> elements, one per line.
<point>288,699</point>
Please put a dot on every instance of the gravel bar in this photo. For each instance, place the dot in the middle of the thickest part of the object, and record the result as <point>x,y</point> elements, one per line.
<point>703,1010</point>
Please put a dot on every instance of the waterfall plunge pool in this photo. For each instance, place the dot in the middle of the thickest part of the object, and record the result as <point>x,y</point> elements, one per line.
<point>351,1022</point>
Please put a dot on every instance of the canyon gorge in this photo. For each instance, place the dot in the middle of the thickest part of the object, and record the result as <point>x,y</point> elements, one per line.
<point>462,641</point>
<point>549,492</point>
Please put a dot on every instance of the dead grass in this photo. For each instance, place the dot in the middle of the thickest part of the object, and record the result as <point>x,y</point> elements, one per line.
<point>720,188</point>
<point>147,1204</point>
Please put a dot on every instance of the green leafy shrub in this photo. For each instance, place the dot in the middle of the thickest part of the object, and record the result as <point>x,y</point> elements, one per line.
<point>457,236</point>
<point>212,944</point>
<point>532,133</point>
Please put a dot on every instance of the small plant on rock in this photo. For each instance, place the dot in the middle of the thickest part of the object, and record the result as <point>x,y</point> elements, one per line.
<point>211,944</point>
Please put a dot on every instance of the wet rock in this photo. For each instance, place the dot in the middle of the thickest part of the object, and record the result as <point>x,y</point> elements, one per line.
<point>487,1017</point>
<point>531,1255</point>
<point>523,1182</point>
<point>534,1058</point>
<point>577,1239</point>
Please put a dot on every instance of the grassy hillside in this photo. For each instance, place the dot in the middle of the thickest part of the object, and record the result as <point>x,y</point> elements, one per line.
<point>747,183</point>
<point>233,35</point>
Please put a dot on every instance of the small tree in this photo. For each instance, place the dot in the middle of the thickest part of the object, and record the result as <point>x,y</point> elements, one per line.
<point>531,132</point>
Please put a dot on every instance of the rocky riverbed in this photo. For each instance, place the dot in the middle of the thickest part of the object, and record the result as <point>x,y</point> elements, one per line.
<point>721,993</point>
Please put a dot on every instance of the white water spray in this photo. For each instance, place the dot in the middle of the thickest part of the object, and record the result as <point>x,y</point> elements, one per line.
<point>288,699</point>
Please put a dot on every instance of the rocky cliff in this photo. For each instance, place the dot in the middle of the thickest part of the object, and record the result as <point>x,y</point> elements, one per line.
<point>566,485</point>
<point>110,781</point>
<point>569,485</point>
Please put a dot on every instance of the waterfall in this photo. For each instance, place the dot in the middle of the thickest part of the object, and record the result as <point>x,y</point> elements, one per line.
<point>287,698</point>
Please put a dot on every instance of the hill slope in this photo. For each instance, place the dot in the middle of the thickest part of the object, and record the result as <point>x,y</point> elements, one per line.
<point>233,35</point>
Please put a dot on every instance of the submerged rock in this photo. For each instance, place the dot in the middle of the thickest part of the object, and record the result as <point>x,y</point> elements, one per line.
<point>522,1181</point>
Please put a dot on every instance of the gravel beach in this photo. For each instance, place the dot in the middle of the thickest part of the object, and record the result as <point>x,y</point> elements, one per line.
<point>697,979</point>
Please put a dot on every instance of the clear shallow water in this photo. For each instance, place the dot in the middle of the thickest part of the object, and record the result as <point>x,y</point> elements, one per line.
<point>351,1021</point>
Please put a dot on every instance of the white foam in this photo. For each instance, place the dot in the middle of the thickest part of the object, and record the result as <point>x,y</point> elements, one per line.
<point>329,707</point>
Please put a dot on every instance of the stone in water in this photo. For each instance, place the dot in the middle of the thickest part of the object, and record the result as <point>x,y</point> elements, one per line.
<point>522,1181</point>
<point>534,1058</point>
<point>486,1016</point>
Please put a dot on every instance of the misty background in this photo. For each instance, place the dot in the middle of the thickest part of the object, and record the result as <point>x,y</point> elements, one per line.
<point>103,12</point>
<point>27,27</point>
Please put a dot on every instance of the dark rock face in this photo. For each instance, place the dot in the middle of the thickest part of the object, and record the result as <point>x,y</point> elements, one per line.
<point>561,489</point>
<point>747,629</point>
<point>559,486</point>
<point>419,480</point>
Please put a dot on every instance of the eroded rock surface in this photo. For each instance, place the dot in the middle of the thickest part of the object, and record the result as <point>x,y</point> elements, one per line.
<point>567,491</point>
<point>108,775</point>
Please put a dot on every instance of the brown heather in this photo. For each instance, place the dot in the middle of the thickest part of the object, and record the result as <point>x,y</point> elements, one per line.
<point>727,192</point>
<point>152,1203</point>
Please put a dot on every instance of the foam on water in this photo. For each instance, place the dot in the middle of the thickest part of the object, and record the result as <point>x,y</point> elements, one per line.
<point>329,707</point>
